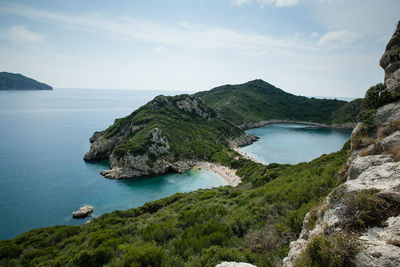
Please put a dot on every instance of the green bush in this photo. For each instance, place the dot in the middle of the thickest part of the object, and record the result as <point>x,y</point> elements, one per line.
<point>93,258</point>
<point>367,209</point>
<point>161,232</point>
<point>142,255</point>
<point>10,250</point>
<point>367,118</point>
<point>372,98</point>
<point>338,250</point>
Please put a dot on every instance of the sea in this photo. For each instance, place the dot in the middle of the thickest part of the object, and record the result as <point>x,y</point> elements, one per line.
<point>45,134</point>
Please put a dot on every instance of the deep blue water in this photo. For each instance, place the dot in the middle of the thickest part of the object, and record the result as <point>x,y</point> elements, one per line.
<point>294,143</point>
<point>43,178</point>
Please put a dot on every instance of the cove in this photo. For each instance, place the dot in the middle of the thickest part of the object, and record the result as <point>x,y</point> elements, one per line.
<point>291,143</point>
<point>43,137</point>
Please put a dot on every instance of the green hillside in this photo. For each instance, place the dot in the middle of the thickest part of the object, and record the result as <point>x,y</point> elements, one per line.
<point>11,81</point>
<point>258,100</point>
<point>162,132</point>
<point>253,222</point>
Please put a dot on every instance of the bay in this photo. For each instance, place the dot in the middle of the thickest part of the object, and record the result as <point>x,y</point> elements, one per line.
<point>43,178</point>
<point>291,143</point>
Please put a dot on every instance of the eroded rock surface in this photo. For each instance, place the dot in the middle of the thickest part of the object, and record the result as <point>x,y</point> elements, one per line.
<point>390,62</point>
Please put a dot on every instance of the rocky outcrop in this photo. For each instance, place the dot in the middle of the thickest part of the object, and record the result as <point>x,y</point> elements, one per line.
<point>367,204</point>
<point>387,113</point>
<point>192,105</point>
<point>390,62</point>
<point>83,212</point>
<point>129,165</point>
<point>234,264</point>
<point>243,140</point>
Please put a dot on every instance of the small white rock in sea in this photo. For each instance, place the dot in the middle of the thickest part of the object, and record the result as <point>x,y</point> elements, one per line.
<point>83,212</point>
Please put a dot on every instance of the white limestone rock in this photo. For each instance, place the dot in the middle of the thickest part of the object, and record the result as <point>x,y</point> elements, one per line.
<point>83,212</point>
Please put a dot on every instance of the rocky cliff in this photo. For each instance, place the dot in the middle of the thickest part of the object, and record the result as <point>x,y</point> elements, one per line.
<point>358,224</point>
<point>167,134</point>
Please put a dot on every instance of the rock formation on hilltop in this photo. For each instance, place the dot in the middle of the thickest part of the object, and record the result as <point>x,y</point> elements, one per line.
<point>359,222</point>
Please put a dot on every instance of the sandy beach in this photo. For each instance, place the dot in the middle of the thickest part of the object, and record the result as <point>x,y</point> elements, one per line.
<point>245,155</point>
<point>229,175</point>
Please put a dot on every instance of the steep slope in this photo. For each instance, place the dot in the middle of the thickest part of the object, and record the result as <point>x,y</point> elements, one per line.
<point>11,81</point>
<point>255,101</point>
<point>168,133</point>
<point>358,224</point>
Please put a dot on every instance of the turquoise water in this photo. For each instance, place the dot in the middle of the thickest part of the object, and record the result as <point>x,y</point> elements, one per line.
<point>44,135</point>
<point>294,143</point>
<point>43,178</point>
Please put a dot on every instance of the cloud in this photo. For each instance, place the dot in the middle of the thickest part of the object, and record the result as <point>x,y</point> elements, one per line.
<point>240,2</point>
<point>21,34</point>
<point>160,50</point>
<point>279,3</point>
<point>160,34</point>
<point>338,39</point>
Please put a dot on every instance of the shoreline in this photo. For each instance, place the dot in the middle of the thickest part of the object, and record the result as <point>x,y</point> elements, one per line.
<point>259,124</point>
<point>229,175</point>
<point>248,156</point>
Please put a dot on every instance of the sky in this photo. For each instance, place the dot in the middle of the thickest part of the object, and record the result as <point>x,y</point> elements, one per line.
<point>305,47</point>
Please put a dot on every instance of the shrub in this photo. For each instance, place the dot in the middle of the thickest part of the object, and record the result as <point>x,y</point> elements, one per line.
<point>366,208</point>
<point>9,250</point>
<point>330,251</point>
<point>143,255</point>
<point>92,258</point>
<point>367,118</point>
<point>372,97</point>
<point>160,232</point>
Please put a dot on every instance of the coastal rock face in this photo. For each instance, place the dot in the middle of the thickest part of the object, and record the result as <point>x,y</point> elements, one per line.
<point>234,264</point>
<point>390,62</point>
<point>83,212</point>
<point>243,140</point>
<point>367,204</point>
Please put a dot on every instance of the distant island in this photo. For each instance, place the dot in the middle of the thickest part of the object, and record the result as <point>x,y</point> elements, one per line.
<point>15,81</point>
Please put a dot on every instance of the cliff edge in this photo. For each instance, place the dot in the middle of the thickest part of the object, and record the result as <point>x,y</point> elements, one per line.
<point>358,224</point>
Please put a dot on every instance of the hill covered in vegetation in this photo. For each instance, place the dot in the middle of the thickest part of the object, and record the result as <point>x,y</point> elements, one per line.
<point>168,133</point>
<point>258,100</point>
<point>11,81</point>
